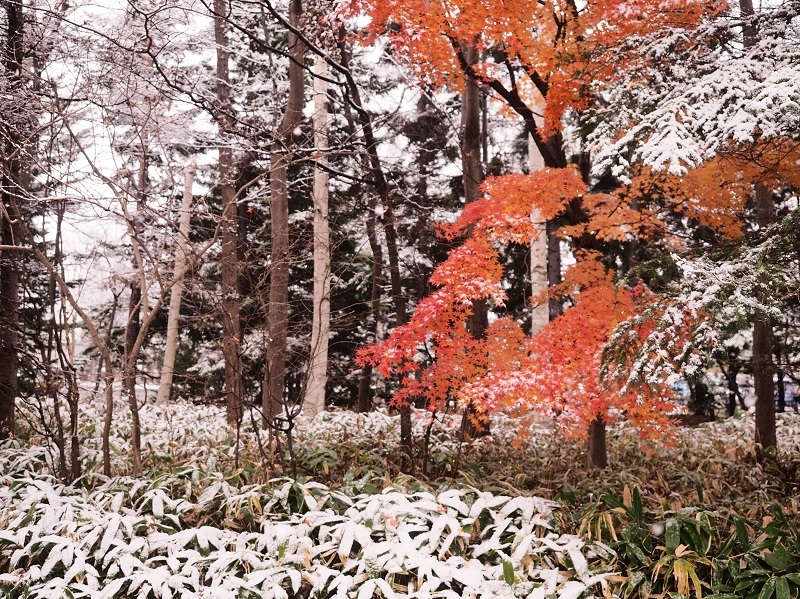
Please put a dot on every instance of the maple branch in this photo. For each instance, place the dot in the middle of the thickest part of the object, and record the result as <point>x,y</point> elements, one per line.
<point>573,8</point>
<point>536,78</point>
<point>512,77</point>
<point>553,158</point>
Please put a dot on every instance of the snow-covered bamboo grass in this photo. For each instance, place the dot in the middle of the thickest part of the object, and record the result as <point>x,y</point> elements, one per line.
<point>188,531</point>
<point>191,534</point>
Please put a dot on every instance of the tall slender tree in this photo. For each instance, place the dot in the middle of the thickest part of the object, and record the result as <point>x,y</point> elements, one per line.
<point>12,184</point>
<point>176,288</point>
<point>470,138</point>
<point>231,301</point>
<point>280,158</point>
<point>314,401</point>
<point>763,335</point>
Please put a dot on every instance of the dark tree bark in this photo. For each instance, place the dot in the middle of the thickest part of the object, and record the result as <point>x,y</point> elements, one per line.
<point>763,341</point>
<point>132,329</point>
<point>401,313</point>
<point>364,400</point>
<point>9,320</point>
<point>281,158</point>
<point>763,338</point>
<point>10,187</point>
<point>108,375</point>
<point>471,142</point>
<point>597,454</point>
<point>133,325</point>
<point>734,394</point>
<point>781,403</point>
<point>231,300</point>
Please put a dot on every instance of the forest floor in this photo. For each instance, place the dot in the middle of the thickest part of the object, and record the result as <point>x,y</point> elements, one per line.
<point>513,514</point>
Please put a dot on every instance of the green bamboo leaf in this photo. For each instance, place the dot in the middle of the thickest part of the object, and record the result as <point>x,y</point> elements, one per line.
<point>746,583</point>
<point>699,488</point>
<point>638,553</point>
<point>508,572</point>
<point>767,590</point>
<point>781,588</point>
<point>741,531</point>
<point>673,535</point>
<point>697,542</point>
<point>779,559</point>
<point>698,589</point>
<point>727,546</point>
<point>636,579</point>
<point>613,502</point>
<point>638,508</point>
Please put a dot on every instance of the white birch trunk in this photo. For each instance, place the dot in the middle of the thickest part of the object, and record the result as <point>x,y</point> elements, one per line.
<point>181,258</point>
<point>314,400</point>
<point>540,315</point>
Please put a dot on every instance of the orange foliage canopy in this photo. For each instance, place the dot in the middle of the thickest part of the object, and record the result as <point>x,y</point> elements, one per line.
<point>438,329</point>
<point>539,53</point>
<point>504,215</point>
<point>556,372</point>
<point>713,195</point>
<point>559,46</point>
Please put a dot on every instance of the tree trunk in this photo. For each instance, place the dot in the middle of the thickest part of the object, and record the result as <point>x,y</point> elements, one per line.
<point>763,366</point>
<point>280,159</point>
<point>176,291</point>
<point>406,439</point>
<point>555,308</point>
<point>365,378</point>
<point>540,313</point>
<point>597,455</point>
<point>472,168</point>
<point>132,329</point>
<point>314,401</point>
<point>364,401</point>
<point>373,321</point>
<point>138,299</point>
<point>749,28</point>
<point>763,339</point>
<point>61,335</point>
<point>231,301</point>
<point>131,333</point>
<point>781,376</point>
<point>108,377</point>
<point>763,370</point>
<point>73,394</point>
<point>9,320</point>
<point>733,388</point>
<point>10,186</point>
<point>108,418</point>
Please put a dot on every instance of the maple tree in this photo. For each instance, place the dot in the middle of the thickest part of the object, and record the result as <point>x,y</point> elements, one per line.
<point>556,372</point>
<point>539,59</point>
